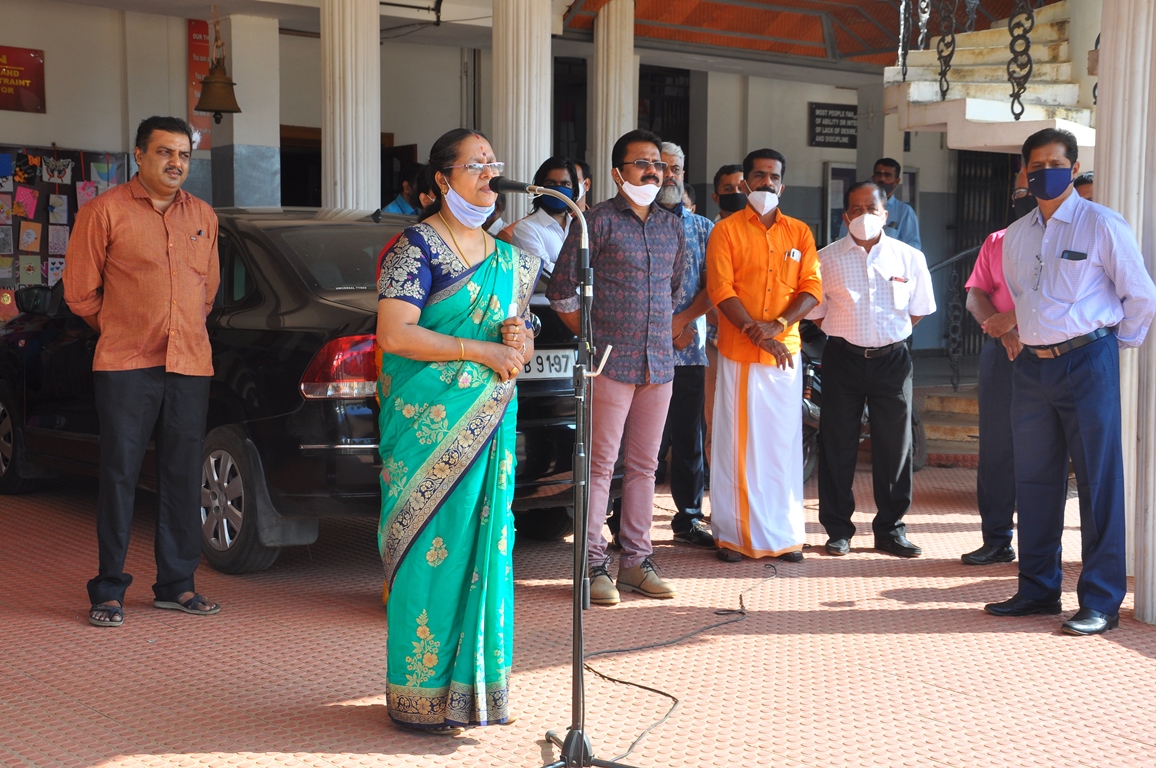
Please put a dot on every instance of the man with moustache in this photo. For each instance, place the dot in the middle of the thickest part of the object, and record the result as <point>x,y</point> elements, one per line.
<point>902,223</point>
<point>142,270</point>
<point>763,275</point>
<point>875,290</point>
<point>636,249</point>
<point>1081,291</point>
<point>991,305</point>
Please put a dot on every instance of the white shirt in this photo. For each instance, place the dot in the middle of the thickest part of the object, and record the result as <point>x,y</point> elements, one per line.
<point>541,235</point>
<point>1101,283</point>
<point>869,298</point>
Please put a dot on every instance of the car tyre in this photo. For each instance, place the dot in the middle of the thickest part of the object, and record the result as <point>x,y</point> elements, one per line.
<point>550,524</point>
<point>229,537</point>
<point>11,453</point>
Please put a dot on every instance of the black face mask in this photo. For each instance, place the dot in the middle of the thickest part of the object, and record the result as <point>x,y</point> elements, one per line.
<point>732,202</point>
<point>1022,206</point>
<point>888,189</point>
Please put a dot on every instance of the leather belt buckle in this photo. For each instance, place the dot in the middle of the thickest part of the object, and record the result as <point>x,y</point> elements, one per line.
<point>1046,353</point>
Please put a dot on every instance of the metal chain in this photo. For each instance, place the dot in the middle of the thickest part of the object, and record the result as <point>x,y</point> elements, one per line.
<point>1019,66</point>
<point>904,43</point>
<point>1096,85</point>
<point>945,47</point>
<point>924,11</point>
<point>955,307</point>
<point>972,6</point>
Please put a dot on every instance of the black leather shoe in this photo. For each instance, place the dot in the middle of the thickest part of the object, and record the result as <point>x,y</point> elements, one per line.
<point>697,536</point>
<point>989,554</point>
<point>1021,606</point>
<point>900,547</point>
<point>838,547</point>
<point>1090,622</point>
<point>793,557</point>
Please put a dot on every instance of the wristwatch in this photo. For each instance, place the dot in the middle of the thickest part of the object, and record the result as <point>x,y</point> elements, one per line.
<point>783,322</point>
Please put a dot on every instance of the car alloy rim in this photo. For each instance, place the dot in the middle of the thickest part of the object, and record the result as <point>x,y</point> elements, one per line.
<point>222,500</point>
<point>6,440</point>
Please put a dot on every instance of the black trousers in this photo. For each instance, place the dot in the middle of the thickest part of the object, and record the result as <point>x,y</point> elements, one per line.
<point>133,406</point>
<point>995,487</point>
<point>683,434</point>
<point>884,384</point>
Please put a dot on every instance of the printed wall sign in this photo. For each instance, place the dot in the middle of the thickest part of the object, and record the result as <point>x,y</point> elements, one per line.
<point>21,79</point>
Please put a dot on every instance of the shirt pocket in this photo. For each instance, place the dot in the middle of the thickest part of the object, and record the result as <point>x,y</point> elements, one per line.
<point>788,270</point>
<point>900,294</point>
<point>196,252</point>
<point>1066,279</point>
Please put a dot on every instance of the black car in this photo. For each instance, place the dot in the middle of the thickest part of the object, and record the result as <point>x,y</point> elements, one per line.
<point>292,427</point>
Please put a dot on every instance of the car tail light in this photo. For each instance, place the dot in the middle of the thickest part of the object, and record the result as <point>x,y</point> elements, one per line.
<point>344,369</point>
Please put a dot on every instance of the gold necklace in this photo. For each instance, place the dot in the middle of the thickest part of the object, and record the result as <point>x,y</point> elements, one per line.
<point>461,253</point>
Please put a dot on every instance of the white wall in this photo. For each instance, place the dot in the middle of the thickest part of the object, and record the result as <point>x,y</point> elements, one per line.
<point>300,81</point>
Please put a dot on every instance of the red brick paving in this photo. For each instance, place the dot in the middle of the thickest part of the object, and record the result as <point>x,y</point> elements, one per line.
<point>866,660</point>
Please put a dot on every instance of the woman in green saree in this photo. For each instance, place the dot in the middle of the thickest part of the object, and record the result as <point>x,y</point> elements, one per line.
<point>452,311</point>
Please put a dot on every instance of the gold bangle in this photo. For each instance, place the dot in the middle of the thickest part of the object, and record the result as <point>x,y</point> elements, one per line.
<point>461,344</point>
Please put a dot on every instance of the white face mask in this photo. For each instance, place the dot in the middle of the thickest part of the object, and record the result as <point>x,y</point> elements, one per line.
<point>866,227</point>
<point>581,191</point>
<point>473,216</point>
<point>640,195</point>
<point>763,202</point>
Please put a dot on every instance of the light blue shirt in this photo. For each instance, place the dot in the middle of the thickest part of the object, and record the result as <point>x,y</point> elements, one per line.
<point>697,230</point>
<point>1080,271</point>
<point>402,206</point>
<point>902,224</point>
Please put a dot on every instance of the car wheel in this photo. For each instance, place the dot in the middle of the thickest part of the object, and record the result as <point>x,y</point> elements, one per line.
<point>10,455</point>
<point>548,524</point>
<point>229,537</point>
<point>810,456</point>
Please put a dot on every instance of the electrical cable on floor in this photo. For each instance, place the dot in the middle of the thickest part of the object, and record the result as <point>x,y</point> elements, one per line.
<point>739,614</point>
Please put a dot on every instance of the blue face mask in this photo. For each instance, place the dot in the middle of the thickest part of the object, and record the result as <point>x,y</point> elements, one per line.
<point>553,204</point>
<point>473,216</point>
<point>1049,183</point>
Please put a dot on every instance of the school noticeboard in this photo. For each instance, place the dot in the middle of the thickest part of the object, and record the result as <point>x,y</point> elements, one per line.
<point>21,79</point>
<point>834,125</point>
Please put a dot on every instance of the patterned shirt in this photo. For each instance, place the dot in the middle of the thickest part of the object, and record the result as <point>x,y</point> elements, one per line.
<point>697,229</point>
<point>870,298</point>
<point>987,275</point>
<point>151,277</point>
<point>637,273</point>
<point>1080,271</point>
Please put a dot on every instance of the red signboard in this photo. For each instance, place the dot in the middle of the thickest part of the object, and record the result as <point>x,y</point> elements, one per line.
<point>21,79</point>
<point>199,50</point>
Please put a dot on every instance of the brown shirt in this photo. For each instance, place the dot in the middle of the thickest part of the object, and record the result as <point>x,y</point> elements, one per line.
<point>150,278</point>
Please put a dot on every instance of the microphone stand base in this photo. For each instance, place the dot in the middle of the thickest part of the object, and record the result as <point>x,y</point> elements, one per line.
<point>576,751</point>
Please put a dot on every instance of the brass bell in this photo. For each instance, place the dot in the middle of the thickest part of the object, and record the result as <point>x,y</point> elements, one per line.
<point>217,92</point>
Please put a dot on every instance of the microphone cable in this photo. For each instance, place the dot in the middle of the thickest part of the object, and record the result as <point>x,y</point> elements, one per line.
<point>737,614</point>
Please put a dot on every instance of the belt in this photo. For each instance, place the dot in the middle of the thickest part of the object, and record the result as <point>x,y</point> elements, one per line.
<point>868,351</point>
<point>1055,350</point>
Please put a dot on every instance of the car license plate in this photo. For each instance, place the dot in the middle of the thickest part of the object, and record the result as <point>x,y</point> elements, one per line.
<point>550,364</point>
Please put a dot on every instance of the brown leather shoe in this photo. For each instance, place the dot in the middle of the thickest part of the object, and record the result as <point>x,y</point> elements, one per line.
<point>602,590</point>
<point>644,579</point>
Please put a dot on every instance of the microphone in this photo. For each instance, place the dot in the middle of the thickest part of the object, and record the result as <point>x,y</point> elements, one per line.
<point>502,184</point>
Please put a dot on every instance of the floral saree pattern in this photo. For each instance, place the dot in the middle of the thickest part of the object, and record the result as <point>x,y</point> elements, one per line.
<point>446,532</point>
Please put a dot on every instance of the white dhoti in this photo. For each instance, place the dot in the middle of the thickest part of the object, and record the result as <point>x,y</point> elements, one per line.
<point>756,472</point>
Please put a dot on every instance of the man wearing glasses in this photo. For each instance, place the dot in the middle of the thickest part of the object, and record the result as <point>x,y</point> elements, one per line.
<point>1081,292</point>
<point>636,249</point>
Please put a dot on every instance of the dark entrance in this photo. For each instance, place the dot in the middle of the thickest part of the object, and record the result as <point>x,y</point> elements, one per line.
<point>301,166</point>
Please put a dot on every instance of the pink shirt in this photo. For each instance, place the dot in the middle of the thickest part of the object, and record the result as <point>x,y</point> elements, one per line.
<point>988,273</point>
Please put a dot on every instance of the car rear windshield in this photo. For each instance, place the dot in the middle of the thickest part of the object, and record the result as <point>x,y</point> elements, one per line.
<point>337,257</point>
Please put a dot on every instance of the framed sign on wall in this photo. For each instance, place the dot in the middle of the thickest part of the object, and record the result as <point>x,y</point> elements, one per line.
<point>22,79</point>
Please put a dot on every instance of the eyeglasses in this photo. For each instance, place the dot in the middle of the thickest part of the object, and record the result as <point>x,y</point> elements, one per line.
<point>475,169</point>
<point>1019,193</point>
<point>644,165</point>
<point>1039,272</point>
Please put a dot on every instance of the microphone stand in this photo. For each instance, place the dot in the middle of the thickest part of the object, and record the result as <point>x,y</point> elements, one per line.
<point>575,750</point>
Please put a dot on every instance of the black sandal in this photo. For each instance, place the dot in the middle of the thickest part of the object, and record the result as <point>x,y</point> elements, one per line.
<point>115,615</point>
<point>187,606</point>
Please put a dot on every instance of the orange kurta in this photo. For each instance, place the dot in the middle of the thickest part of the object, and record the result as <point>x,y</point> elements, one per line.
<point>766,269</point>
<point>149,277</point>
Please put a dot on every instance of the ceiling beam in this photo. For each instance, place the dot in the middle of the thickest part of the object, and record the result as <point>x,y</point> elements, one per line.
<point>725,33</point>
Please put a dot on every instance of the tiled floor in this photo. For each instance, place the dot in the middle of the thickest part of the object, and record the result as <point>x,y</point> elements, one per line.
<point>865,660</point>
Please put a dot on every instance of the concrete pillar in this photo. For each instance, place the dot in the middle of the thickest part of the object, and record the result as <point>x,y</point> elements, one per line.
<point>350,105</point>
<point>879,134</point>
<point>523,74</point>
<point>246,151</point>
<point>718,130</point>
<point>1083,26</point>
<point>615,88</point>
<point>1126,182</point>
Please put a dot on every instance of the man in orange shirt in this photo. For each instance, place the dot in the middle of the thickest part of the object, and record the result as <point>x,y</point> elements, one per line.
<point>142,270</point>
<point>763,275</point>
